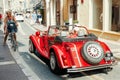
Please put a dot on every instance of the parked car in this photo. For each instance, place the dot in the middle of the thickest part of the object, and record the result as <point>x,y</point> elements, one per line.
<point>19,17</point>
<point>82,52</point>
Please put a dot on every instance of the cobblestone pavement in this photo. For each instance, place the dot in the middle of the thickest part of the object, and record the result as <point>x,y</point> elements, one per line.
<point>114,46</point>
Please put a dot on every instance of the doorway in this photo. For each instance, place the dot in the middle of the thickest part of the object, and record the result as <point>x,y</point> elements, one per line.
<point>98,14</point>
<point>58,12</point>
<point>115,15</point>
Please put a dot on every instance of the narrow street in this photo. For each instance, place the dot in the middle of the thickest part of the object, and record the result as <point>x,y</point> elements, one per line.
<point>101,17</point>
<point>36,69</point>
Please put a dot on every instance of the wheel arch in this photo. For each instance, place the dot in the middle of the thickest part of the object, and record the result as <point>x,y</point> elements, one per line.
<point>35,40</point>
<point>58,55</point>
<point>105,46</point>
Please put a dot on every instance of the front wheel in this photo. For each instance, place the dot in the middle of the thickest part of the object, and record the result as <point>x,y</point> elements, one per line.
<point>14,45</point>
<point>13,41</point>
<point>31,47</point>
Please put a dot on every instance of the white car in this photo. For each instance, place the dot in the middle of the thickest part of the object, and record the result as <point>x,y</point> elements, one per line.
<point>19,17</point>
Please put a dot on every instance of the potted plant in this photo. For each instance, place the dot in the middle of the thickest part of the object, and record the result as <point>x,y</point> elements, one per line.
<point>75,22</point>
<point>66,22</point>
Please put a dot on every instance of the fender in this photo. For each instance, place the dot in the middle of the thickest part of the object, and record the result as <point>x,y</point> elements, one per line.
<point>59,53</point>
<point>38,44</point>
<point>104,46</point>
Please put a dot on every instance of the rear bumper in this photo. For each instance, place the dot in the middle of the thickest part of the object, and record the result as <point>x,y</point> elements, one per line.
<point>91,67</point>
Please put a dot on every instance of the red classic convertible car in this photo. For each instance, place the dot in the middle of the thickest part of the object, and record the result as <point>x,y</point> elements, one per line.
<point>71,48</point>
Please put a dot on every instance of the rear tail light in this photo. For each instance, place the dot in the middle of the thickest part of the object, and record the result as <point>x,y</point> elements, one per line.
<point>109,56</point>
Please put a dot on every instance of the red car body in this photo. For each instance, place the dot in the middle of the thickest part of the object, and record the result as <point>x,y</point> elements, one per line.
<point>81,53</point>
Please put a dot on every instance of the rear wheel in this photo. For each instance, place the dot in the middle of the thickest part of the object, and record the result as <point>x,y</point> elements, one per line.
<point>31,47</point>
<point>53,63</point>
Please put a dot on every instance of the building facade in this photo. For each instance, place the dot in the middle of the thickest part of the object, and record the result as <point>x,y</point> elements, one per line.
<point>95,14</point>
<point>103,15</point>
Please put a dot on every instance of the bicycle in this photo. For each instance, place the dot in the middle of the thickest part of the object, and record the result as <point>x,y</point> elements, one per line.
<point>12,29</point>
<point>12,40</point>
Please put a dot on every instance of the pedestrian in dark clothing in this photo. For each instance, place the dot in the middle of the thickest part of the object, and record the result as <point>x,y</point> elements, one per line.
<point>39,17</point>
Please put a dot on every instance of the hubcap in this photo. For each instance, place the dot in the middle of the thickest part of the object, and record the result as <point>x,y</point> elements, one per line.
<point>94,51</point>
<point>52,62</point>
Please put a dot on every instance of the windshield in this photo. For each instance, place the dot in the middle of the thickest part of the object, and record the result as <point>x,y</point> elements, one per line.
<point>66,31</point>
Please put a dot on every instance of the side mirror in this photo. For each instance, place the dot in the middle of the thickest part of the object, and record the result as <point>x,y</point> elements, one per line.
<point>37,33</point>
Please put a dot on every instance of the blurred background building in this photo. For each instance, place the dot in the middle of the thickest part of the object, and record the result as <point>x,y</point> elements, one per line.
<point>102,15</point>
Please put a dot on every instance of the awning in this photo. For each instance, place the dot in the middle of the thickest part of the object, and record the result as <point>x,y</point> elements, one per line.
<point>39,5</point>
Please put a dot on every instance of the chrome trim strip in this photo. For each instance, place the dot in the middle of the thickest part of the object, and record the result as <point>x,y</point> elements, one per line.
<point>77,54</point>
<point>88,68</point>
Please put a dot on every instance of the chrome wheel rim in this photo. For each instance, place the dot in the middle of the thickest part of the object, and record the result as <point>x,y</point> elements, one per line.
<point>52,62</point>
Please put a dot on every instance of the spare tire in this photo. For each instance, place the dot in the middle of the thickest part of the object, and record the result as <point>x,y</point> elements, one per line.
<point>92,52</point>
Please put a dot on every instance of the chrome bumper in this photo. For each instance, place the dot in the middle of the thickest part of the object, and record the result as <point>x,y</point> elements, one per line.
<point>91,67</point>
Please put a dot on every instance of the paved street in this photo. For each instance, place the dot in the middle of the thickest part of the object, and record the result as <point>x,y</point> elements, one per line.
<point>33,68</point>
<point>9,69</point>
<point>114,46</point>
<point>100,16</point>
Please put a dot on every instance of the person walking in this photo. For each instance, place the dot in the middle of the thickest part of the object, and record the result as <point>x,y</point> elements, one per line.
<point>39,18</point>
<point>34,18</point>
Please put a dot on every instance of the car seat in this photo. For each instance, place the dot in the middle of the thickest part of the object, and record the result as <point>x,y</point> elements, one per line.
<point>81,32</point>
<point>64,33</point>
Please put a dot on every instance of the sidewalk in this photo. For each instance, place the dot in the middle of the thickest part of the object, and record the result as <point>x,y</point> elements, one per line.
<point>36,25</point>
<point>114,47</point>
<point>9,69</point>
